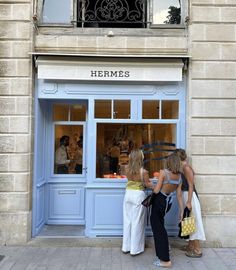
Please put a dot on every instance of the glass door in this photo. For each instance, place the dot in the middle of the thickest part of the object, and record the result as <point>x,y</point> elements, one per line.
<point>66,164</point>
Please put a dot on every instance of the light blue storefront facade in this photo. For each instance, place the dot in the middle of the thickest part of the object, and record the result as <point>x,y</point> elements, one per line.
<point>87,199</point>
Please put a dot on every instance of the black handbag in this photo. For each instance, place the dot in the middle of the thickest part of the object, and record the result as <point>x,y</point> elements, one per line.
<point>147,202</point>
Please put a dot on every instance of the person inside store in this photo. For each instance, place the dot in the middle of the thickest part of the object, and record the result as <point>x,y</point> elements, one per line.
<point>133,211</point>
<point>114,157</point>
<point>168,183</point>
<point>79,158</point>
<point>191,201</point>
<point>62,158</point>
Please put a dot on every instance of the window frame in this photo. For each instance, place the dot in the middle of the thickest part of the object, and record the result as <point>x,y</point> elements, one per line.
<point>73,23</point>
<point>134,119</point>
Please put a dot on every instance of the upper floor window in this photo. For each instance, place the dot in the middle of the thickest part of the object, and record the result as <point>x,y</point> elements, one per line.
<point>112,13</point>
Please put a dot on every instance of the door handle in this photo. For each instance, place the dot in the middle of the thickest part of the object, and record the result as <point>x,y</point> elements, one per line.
<point>85,169</point>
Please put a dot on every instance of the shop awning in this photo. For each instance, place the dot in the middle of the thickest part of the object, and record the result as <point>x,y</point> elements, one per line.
<point>109,69</point>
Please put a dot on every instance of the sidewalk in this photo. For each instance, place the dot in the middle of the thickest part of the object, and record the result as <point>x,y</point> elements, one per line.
<point>99,254</point>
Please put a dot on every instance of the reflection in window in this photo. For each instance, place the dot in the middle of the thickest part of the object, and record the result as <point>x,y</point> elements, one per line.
<point>121,109</point>
<point>170,109</point>
<point>63,112</point>
<point>55,11</point>
<point>68,149</point>
<point>167,12</point>
<point>117,140</point>
<point>151,109</point>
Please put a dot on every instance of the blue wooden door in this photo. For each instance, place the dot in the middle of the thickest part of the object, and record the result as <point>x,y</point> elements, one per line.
<point>66,164</point>
<point>58,196</point>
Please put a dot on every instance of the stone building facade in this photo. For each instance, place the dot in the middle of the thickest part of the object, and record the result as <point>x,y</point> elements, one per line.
<point>207,40</point>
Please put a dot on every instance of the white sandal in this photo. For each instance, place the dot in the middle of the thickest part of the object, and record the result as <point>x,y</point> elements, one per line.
<point>158,263</point>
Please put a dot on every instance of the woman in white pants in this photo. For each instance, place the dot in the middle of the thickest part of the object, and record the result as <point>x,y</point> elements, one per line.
<point>133,211</point>
<point>191,201</point>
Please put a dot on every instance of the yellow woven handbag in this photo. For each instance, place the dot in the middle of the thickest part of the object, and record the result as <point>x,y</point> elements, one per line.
<point>188,226</point>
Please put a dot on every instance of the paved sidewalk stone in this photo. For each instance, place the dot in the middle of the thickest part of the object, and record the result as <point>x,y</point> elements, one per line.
<point>55,255</point>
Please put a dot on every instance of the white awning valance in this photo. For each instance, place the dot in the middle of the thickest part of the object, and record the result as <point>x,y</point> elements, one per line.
<point>94,69</point>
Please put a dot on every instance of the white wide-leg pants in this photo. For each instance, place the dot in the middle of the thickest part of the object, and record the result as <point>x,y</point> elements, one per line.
<point>199,234</point>
<point>133,222</point>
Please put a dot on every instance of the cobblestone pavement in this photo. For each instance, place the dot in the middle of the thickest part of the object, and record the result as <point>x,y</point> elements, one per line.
<point>41,257</point>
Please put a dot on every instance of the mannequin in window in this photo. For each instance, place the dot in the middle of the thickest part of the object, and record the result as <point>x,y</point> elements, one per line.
<point>62,158</point>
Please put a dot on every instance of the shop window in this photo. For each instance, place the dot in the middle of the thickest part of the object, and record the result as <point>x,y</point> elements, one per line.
<point>68,157</point>
<point>117,109</point>
<point>115,141</point>
<point>151,109</point>
<point>63,112</point>
<point>170,109</point>
<point>112,13</point>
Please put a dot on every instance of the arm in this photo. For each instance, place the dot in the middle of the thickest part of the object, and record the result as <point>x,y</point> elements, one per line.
<point>180,201</point>
<point>161,178</point>
<point>146,180</point>
<point>188,173</point>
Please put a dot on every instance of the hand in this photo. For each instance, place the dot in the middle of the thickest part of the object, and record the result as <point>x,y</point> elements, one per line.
<point>181,216</point>
<point>189,206</point>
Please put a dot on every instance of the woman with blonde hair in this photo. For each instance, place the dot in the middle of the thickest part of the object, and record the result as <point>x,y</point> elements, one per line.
<point>169,181</point>
<point>133,210</point>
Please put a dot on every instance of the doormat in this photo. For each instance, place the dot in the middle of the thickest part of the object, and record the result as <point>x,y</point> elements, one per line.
<point>1,257</point>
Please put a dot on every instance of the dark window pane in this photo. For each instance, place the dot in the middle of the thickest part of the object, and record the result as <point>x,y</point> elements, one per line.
<point>78,113</point>
<point>102,108</point>
<point>61,112</point>
<point>151,109</point>
<point>121,109</point>
<point>112,13</point>
<point>170,109</point>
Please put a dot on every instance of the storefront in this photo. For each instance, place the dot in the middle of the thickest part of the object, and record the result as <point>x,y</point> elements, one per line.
<point>105,106</point>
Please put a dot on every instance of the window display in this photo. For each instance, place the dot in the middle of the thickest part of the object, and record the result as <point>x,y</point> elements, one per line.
<point>115,141</point>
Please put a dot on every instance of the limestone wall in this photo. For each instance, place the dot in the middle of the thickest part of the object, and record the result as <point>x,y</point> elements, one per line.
<point>211,121</point>
<point>15,120</point>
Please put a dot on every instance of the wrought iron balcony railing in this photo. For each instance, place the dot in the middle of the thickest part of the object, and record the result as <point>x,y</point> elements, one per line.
<point>112,13</point>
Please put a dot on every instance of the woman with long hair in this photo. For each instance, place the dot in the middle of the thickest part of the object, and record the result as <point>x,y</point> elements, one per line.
<point>169,181</point>
<point>191,201</point>
<point>133,210</point>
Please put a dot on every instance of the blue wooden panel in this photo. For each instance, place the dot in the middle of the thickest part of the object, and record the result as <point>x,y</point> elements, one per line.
<point>66,204</point>
<point>108,209</point>
<point>39,171</point>
<point>104,212</point>
<point>40,207</point>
